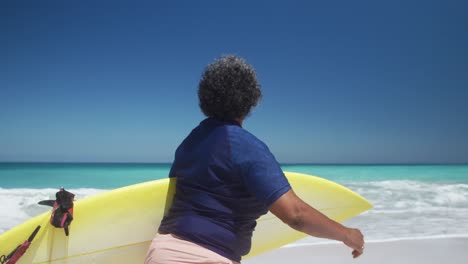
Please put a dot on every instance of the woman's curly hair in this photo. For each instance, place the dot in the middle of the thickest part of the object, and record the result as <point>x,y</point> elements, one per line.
<point>228,89</point>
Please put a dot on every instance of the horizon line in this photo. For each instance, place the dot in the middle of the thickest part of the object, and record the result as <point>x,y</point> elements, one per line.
<point>281,164</point>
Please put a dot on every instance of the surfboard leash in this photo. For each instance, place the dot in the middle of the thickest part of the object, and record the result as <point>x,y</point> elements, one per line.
<point>19,251</point>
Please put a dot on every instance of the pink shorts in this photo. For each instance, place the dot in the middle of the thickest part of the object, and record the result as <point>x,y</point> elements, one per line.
<point>170,249</point>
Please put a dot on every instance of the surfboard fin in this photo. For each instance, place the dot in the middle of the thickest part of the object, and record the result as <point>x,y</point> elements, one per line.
<point>62,209</point>
<point>47,202</point>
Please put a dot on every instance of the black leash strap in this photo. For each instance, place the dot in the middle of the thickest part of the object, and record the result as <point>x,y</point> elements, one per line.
<point>19,251</point>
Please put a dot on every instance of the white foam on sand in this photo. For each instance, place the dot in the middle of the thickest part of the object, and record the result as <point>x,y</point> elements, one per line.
<point>427,250</point>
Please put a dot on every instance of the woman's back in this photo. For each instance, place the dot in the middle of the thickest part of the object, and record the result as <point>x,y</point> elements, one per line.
<point>217,197</point>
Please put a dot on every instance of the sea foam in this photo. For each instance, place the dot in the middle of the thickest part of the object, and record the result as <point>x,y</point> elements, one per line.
<point>18,205</point>
<point>402,209</point>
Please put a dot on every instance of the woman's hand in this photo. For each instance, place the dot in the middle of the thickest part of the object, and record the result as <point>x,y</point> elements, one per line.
<point>355,240</point>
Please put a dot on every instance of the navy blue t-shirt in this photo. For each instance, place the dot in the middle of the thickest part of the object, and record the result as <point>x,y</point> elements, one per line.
<point>226,179</point>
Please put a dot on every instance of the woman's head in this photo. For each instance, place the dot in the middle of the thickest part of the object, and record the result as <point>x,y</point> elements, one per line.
<point>228,89</point>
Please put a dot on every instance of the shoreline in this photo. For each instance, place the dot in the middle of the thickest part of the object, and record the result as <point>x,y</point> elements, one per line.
<point>379,240</point>
<point>421,250</point>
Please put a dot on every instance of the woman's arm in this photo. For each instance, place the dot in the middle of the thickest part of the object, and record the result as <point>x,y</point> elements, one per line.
<point>302,217</point>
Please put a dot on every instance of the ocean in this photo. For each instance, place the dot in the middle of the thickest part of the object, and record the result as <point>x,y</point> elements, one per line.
<point>410,201</point>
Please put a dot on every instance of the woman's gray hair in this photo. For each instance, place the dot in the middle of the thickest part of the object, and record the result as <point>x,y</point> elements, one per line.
<point>228,88</point>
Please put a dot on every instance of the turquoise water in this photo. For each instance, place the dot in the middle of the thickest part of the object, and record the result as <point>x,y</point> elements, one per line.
<point>113,175</point>
<point>372,173</point>
<point>78,175</point>
<point>409,200</point>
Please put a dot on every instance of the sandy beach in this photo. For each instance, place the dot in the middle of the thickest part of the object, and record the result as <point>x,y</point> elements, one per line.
<point>436,250</point>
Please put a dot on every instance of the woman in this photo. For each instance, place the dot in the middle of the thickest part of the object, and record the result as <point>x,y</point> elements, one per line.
<point>227,178</point>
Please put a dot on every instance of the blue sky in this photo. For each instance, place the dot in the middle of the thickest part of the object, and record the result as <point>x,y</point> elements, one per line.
<point>343,81</point>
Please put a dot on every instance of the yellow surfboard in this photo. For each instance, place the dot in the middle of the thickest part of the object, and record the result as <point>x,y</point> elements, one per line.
<point>117,226</point>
